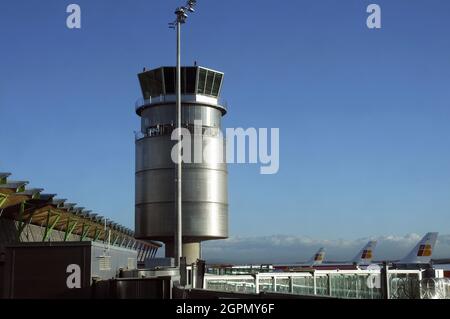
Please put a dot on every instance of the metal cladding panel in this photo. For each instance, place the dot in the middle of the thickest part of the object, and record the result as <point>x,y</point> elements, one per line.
<point>155,153</point>
<point>199,185</point>
<point>41,271</point>
<point>158,288</point>
<point>129,289</point>
<point>200,221</point>
<point>119,258</point>
<point>2,274</point>
<point>205,191</point>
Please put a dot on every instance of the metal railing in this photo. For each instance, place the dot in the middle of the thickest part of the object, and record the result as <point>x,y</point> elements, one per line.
<point>435,288</point>
<point>141,102</point>
<point>351,284</point>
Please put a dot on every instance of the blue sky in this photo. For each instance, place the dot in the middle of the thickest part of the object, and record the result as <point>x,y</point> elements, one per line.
<point>363,114</point>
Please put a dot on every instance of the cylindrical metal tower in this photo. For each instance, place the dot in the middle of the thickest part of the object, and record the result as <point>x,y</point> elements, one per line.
<point>205,179</point>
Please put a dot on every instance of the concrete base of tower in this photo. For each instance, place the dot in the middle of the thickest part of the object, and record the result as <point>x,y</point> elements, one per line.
<point>192,251</point>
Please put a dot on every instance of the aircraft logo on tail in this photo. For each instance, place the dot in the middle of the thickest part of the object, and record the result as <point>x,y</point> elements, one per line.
<point>365,256</point>
<point>422,253</point>
<point>425,251</point>
<point>318,258</point>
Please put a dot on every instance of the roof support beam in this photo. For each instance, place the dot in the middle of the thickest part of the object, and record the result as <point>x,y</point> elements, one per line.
<point>30,220</point>
<point>49,228</point>
<point>147,253</point>
<point>97,234</point>
<point>66,233</point>
<point>69,229</point>
<point>21,223</point>
<point>130,240</point>
<point>111,241</point>
<point>124,239</point>
<point>3,199</point>
<point>116,239</point>
<point>85,232</point>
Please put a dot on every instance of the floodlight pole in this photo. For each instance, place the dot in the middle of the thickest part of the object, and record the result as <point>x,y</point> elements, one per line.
<point>178,245</point>
<point>178,240</point>
<point>181,14</point>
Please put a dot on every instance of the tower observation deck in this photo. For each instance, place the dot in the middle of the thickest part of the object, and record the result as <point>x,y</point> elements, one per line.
<point>205,184</point>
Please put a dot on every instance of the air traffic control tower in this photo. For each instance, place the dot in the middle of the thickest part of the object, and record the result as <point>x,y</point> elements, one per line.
<point>205,184</point>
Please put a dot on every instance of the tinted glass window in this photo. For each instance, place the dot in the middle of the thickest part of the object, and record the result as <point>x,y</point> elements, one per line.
<point>209,83</point>
<point>217,83</point>
<point>151,83</point>
<point>201,81</point>
<point>191,77</point>
<point>169,80</point>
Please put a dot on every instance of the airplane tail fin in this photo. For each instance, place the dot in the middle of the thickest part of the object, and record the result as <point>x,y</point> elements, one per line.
<point>365,256</point>
<point>318,258</point>
<point>422,253</point>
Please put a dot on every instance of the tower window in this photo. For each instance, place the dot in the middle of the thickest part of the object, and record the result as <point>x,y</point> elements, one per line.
<point>209,82</point>
<point>169,80</point>
<point>201,81</point>
<point>217,84</point>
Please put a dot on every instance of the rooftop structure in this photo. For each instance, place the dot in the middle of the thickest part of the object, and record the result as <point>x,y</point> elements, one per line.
<point>29,215</point>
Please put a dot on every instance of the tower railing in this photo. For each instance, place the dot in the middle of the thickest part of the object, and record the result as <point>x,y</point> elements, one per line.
<point>141,102</point>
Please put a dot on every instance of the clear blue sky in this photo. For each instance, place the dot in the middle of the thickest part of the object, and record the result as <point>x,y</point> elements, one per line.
<point>364,115</point>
